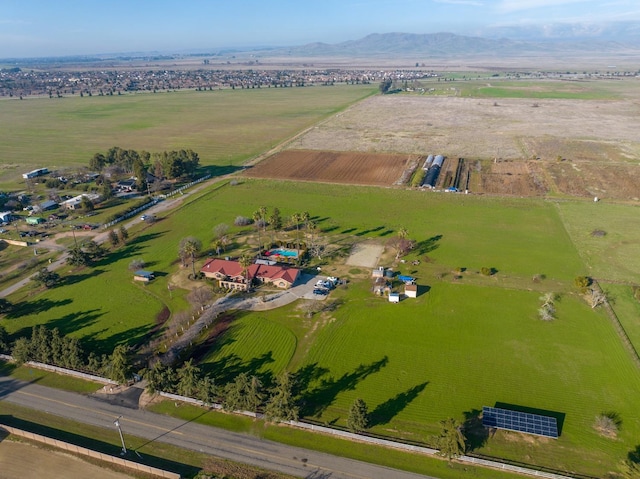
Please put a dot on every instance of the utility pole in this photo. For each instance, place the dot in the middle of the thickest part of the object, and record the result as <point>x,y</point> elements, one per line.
<point>117,424</point>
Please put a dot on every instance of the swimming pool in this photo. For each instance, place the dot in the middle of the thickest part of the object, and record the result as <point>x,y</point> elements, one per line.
<point>283,252</point>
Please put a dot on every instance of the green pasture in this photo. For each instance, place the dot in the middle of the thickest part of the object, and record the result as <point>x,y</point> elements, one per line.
<point>462,344</point>
<point>449,352</point>
<point>627,309</point>
<point>542,89</point>
<point>614,256</point>
<point>457,348</point>
<point>519,238</point>
<point>224,127</point>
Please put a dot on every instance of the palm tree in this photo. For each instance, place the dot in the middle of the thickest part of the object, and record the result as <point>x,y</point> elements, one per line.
<point>245,261</point>
<point>257,218</point>
<point>218,246</point>
<point>189,248</point>
<point>275,220</point>
<point>295,220</point>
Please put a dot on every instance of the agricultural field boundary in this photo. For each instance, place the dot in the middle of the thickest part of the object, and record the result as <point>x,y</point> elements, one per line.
<point>624,337</point>
<point>89,453</point>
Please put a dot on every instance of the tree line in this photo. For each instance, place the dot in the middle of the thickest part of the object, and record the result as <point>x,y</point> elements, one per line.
<point>163,165</point>
<point>245,393</point>
<point>49,346</point>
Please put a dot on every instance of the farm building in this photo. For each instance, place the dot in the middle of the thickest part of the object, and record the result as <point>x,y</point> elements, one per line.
<point>381,286</point>
<point>394,297</point>
<point>76,202</point>
<point>47,205</point>
<point>411,290</point>
<point>34,220</point>
<point>35,173</point>
<point>126,185</point>
<point>6,217</point>
<point>378,272</point>
<point>232,276</point>
<point>144,276</point>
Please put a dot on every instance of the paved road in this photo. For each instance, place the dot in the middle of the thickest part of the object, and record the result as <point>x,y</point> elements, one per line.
<point>158,428</point>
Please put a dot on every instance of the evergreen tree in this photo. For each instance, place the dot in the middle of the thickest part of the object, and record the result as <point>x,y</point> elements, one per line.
<point>118,366</point>
<point>4,340</point>
<point>207,390</point>
<point>123,234</point>
<point>233,393</point>
<point>451,442</point>
<point>113,238</point>
<point>78,257</point>
<point>358,419</point>
<point>21,351</point>
<point>47,278</point>
<point>281,405</point>
<point>188,378</point>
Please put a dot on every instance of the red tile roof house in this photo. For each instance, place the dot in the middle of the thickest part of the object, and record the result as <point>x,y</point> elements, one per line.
<point>231,275</point>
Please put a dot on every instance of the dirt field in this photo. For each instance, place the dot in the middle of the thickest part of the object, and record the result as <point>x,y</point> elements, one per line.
<point>25,461</point>
<point>509,146</point>
<point>333,167</point>
<point>365,254</point>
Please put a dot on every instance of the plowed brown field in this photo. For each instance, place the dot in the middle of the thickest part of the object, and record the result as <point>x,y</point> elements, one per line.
<point>333,167</point>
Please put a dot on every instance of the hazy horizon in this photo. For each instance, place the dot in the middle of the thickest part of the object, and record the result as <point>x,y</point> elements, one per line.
<point>42,28</point>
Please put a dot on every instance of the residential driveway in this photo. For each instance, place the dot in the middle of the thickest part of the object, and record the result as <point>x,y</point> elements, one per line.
<point>302,290</point>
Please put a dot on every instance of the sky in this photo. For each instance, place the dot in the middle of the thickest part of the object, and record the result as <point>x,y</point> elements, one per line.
<point>42,28</point>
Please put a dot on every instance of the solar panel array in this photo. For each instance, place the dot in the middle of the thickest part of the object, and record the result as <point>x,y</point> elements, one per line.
<point>520,421</point>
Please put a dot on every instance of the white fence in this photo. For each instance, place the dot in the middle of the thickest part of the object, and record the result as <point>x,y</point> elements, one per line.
<point>154,202</point>
<point>58,370</point>
<point>131,213</point>
<point>184,187</point>
<point>322,429</point>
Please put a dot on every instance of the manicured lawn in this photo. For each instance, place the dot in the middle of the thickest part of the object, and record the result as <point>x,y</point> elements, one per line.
<point>224,127</point>
<point>253,345</point>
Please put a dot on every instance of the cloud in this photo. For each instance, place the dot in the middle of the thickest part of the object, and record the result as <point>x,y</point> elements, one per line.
<point>509,6</point>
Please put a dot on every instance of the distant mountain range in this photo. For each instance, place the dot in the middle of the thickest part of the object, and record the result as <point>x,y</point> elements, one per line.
<point>436,45</point>
<point>623,32</point>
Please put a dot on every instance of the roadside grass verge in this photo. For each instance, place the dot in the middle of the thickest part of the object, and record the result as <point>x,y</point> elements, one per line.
<point>46,378</point>
<point>320,442</point>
